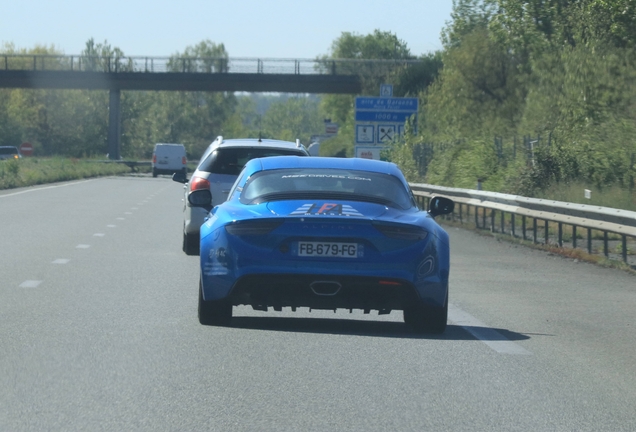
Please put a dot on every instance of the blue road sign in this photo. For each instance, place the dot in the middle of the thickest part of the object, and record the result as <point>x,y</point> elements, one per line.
<point>386,90</point>
<point>383,116</point>
<point>386,104</point>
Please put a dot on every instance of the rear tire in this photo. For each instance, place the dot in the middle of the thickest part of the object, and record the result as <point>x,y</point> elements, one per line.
<point>191,243</point>
<point>214,312</point>
<point>427,319</point>
<point>154,172</point>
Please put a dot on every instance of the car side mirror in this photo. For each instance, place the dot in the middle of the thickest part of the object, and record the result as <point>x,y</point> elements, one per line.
<point>201,198</point>
<point>440,206</point>
<point>180,177</point>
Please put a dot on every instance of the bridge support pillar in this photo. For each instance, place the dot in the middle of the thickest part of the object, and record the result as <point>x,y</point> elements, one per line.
<point>114,125</point>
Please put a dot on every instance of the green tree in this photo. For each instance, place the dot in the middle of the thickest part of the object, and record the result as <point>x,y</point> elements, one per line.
<point>102,57</point>
<point>206,56</point>
<point>295,118</point>
<point>378,45</point>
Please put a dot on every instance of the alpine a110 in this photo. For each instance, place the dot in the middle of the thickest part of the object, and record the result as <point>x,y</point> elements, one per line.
<point>324,233</point>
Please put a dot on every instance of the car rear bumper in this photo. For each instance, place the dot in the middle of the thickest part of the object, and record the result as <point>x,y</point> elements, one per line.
<point>324,291</point>
<point>164,170</point>
<point>194,218</point>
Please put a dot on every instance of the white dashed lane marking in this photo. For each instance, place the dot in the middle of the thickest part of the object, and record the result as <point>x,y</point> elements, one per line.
<point>495,340</point>
<point>128,213</point>
<point>60,261</point>
<point>111,226</point>
<point>30,284</point>
<point>121,218</point>
<point>82,246</point>
<point>99,235</point>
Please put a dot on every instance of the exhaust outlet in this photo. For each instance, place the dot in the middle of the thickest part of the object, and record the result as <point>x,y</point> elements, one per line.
<point>325,288</point>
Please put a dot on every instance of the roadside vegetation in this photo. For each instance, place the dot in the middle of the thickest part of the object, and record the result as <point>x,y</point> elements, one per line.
<point>536,98</point>
<point>16,173</point>
<point>532,97</point>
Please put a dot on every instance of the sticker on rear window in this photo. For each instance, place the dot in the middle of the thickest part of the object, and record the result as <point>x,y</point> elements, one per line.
<point>326,209</point>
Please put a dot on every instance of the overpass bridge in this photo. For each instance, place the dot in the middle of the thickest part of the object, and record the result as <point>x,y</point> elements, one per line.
<point>337,76</point>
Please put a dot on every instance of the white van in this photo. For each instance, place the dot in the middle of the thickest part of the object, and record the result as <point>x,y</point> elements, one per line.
<point>169,159</point>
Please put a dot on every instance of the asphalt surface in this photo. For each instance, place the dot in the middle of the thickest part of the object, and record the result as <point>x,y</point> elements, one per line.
<point>98,331</point>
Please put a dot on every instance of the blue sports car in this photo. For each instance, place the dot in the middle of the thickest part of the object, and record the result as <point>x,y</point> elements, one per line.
<point>324,233</point>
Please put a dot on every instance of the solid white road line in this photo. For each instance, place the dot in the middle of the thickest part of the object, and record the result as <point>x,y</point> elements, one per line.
<point>482,332</point>
<point>43,188</point>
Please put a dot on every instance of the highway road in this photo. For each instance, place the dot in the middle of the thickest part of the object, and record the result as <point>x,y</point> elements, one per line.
<point>98,332</point>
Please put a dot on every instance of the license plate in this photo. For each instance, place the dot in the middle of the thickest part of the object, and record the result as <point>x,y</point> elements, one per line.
<point>328,249</point>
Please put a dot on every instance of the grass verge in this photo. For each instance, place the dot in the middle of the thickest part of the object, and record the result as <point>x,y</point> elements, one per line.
<point>23,172</point>
<point>610,196</point>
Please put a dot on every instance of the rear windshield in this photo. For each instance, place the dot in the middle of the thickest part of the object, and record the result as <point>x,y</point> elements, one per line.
<point>8,150</point>
<point>231,160</point>
<point>302,183</point>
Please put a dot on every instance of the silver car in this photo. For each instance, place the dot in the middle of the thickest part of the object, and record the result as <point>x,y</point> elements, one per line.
<point>219,167</point>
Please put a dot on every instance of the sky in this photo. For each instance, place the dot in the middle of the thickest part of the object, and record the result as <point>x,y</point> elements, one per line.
<point>287,29</point>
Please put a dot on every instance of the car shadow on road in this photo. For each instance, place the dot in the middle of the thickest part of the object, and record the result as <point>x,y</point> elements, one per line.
<point>353,327</point>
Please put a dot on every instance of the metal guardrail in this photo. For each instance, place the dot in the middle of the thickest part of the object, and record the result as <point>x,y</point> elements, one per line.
<point>487,206</point>
<point>82,63</point>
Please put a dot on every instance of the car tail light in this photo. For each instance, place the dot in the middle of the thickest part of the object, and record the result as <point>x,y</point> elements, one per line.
<point>252,227</point>
<point>197,183</point>
<point>184,160</point>
<point>402,232</point>
<point>154,159</point>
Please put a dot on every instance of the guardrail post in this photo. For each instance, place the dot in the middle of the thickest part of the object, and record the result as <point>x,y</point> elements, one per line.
<point>483,218</point>
<point>560,240</point>
<point>573,236</point>
<point>605,245</point>
<point>35,65</point>
<point>503,214</point>
<point>512,224</point>
<point>624,244</point>
<point>534,230</point>
<point>476,217</point>
<point>523,226</point>
<point>492,220</point>
<point>460,213</point>
<point>546,233</point>
<point>589,241</point>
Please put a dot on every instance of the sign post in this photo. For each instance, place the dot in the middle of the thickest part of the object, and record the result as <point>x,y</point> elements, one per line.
<point>380,120</point>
